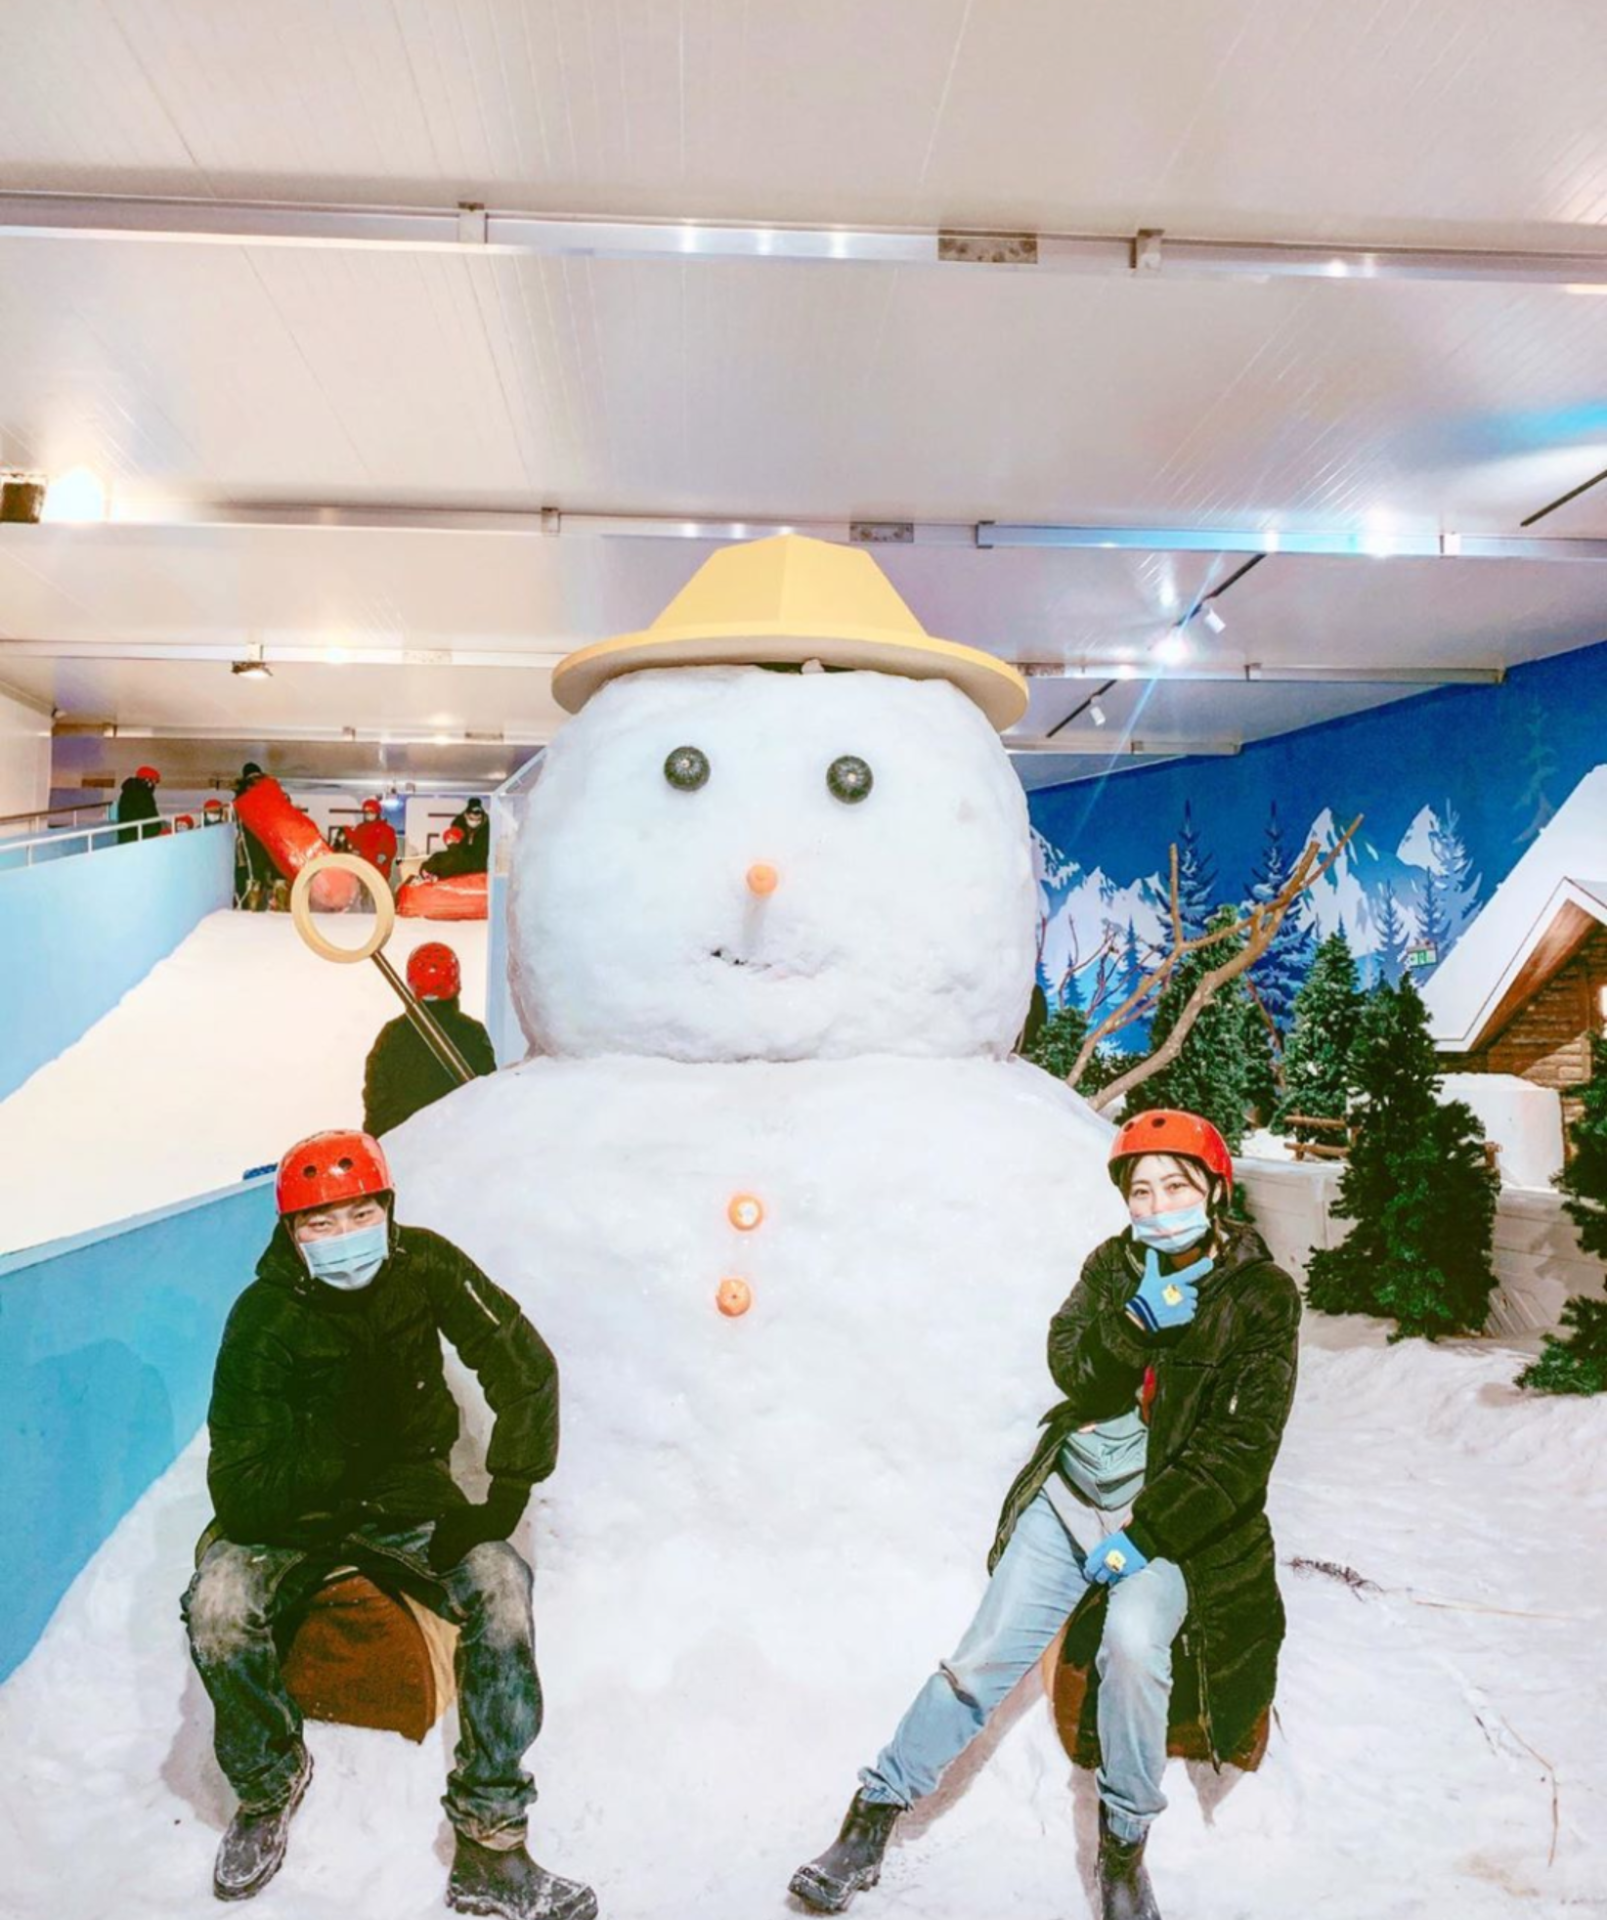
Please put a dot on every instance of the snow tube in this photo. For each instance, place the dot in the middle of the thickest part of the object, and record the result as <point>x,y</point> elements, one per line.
<point>291,840</point>
<point>462,896</point>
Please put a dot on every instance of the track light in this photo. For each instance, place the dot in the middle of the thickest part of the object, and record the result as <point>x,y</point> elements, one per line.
<point>1214,620</point>
<point>252,669</point>
<point>1096,713</point>
<point>76,496</point>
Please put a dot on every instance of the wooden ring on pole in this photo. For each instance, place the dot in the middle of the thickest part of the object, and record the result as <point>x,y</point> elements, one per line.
<point>371,878</point>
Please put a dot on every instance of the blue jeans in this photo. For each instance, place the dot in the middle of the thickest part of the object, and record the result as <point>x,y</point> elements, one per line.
<point>1034,1588</point>
<point>240,1593</point>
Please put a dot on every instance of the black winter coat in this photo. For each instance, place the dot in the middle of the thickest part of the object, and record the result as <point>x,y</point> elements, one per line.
<point>334,1406</point>
<point>1224,1385</point>
<point>136,801</point>
<point>402,1074</point>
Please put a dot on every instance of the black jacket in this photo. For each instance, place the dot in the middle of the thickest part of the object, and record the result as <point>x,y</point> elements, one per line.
<point>1224,1385</point>
<point>402,1074</point>
<point>136,801</point>
<point>328,1404</point>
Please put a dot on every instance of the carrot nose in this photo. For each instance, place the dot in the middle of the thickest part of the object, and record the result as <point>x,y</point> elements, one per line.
<point>762,879</point>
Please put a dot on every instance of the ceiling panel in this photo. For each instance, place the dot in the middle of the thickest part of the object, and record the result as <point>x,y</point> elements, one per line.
<point>1403,122</point>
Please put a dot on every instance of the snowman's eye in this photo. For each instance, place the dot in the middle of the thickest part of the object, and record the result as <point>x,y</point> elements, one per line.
<point>849,779</point>
<point>687,769</point>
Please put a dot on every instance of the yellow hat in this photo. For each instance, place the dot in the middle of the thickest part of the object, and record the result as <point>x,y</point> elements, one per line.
<point>781,602</point>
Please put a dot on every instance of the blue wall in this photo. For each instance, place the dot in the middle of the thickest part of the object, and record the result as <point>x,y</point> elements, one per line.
<point>1490,764</point>
<point>76,934</point>
<point>107,1343</point>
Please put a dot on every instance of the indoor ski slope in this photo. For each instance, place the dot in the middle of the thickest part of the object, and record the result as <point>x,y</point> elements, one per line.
<point>229,1050</point>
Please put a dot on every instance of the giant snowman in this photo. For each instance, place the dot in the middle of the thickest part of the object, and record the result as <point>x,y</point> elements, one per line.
<point>790,1215</point>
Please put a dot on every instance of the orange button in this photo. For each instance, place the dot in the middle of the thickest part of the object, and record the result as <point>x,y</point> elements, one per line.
<point>745,1212</point>
<point>734,1297</point>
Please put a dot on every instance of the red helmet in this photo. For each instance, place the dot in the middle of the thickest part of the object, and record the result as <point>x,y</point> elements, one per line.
<point>213,806</point>
<point>452,836</point>
<point>433,972</point>
<point>1167,1131</point>
<point>184,821</point>
<point>327,1168</point>
<point>371,809</point>
<point>148,773</point>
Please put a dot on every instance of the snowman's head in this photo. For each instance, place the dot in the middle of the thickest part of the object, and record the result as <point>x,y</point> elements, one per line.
<point>704,873</point>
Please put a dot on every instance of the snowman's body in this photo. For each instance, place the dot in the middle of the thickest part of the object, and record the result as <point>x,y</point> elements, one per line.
<point>767,1527</point>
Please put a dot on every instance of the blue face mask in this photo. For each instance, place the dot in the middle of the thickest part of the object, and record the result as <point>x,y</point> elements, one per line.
<point>348,1260</point>
<point>1172,1232</point>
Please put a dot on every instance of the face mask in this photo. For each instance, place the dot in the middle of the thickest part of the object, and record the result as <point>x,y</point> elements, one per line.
<point>348,1260</point>
<point>1172,1232</point>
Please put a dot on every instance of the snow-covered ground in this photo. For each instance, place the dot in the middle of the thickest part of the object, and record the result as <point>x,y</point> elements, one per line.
<point>236,1045</point>
<point>1441,1747</point>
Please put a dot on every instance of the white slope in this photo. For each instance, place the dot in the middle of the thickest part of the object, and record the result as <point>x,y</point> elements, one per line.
<point>1421,1726</point>
<point>229,1050</point>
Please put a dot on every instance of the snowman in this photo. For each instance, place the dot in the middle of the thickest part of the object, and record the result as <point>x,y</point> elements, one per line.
<point>791,1216</point>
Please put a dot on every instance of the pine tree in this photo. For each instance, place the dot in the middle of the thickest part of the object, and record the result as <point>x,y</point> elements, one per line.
<point>1196,880</point>
<point>1279,972</point>
<point>1070,994</point>
<point>1132,963</point>
<point>1211,1073</point>
<point>1317,1076</point>
<point>1391,954</point>
<point>1579,1364</point>
<point>1432,924</point>
<point>1056,1046</point>
<point>1541,766</point>
<point>1417,1189</point>
<point>1459,885</point>
<point>1261,1090</point>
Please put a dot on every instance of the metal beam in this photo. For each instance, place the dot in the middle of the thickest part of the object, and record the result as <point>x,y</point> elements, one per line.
<point>475,230</point>
<point>1347,543</point>
<point>546,653</point>
<point>1101,747</point>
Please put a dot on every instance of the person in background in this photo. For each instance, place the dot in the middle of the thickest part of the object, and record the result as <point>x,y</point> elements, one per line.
<point>475,825</point>
<point>1140,1516</point>
<point>402,1074</point>
<point>331,1428</point>
<point>184,823</point>
<point>136,803</point>
<point>254,871</point>
<point>453,858</point>
<point>214,813</point>
<point>339,840</point>
<point>374,840</point>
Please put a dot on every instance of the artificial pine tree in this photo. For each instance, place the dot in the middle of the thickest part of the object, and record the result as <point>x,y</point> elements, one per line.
<point>1579,1363</point>
<point>1417,1189</point>
<point>1317,1077</point>
<point>1279,972</point>
<point>1058,1042</point>
<point>1196,880</point>
<point>1211,1073</point>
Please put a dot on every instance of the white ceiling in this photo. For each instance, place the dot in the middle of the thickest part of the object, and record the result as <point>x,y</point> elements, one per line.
<point>324,376</point>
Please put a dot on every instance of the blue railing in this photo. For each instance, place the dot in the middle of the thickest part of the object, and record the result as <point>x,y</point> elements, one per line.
<point>107,1344</point>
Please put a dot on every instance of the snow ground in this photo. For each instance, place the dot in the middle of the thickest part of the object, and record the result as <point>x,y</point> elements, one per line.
<point>1404,1779</point>
<point>233,1047</point>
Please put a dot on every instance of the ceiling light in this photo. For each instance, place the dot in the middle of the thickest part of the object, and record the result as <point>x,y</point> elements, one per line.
<point>251,669</point>
<point>1214,620</point>
<point>1173,650</point>
<point>441,739</point>
<point>76,496</point>
<point>1124,670</point>
<point>1096,713</point>
<point>22,498</point>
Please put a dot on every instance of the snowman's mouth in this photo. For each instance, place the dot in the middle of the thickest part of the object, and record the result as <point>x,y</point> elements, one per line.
<point>749,964</point>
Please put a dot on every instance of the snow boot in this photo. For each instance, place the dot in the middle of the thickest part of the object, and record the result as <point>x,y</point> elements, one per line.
<point>507,1882</point>
<point>852,1861</point>
<point>1124,1889</point>
<point>253,1849</point>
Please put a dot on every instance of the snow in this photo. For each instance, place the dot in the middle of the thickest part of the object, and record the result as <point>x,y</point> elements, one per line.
<point>1524,1119</point>
<point>1468,984</point>
<point>1340,899</point>
<point>1417,846</point>
<point>633,929</point>
<point>236,1045</point>
<point>702,1735</point>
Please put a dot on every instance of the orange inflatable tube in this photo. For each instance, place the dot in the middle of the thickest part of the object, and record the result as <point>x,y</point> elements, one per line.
<point>461,896</point>
<point>291,841</point>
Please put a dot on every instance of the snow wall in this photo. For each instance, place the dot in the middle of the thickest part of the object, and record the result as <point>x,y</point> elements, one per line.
<point>1454,786</point>
<point>77,933</point>
<point>107,1343</point>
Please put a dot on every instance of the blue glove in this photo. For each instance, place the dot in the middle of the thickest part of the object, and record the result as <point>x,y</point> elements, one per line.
<point>1115,1559</point>
<point>1166,1300</point>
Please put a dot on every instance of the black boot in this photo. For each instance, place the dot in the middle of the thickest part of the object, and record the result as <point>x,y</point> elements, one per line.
<point>507,1882</point>
<point>253,1849</point>
<point>852,1861</point>
<point>1124,1889</point>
